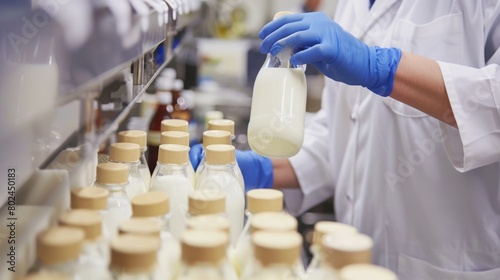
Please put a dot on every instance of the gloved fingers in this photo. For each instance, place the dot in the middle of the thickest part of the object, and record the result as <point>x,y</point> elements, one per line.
<point>195,154</point>
<point>275,24</point>
<point>311,55</point>
<point>282,32</point>
<point>298,41</point>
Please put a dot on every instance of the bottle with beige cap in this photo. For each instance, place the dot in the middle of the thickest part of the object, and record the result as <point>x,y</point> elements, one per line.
<point>210,137</point>
<point>171,176</point>
<point>340,251</point>
<point>275,256</point>
<point>366,272</point>
<point>138,137</point>
<point>94,254</point>
<point>174,125</point>
<point>258,201</point>
<point>114,178</point>
<point>129,154</point>
<point>219,175</point>
<point>321,229</point>
<point>228,125</point>
<point>204,256</point>
<point>155,205</point>
<point>179,138</point>
<point>134,257</point>
<point>95,199</point>
<point>261,221</point>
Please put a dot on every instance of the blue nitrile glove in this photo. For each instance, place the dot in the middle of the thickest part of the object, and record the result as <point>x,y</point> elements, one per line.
<point>318,40</point>
<point>257,170</point>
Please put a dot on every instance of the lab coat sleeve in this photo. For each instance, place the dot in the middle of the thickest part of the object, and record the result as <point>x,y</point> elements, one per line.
<point>311,165</point>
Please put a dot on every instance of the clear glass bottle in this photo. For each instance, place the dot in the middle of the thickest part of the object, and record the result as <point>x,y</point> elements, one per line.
<point>114,178</point>
<point>138,137</point>
<point>366,272</point>
<point>171,176</point>
<point>134,257</point>
<point>321,229</point>
<point>210,137</point>
<point>340,251</point>
<point>179,138</point>
<point>204,256</point>
<point>228,125</point>
<point>129,154</point>
<point>95,199</point>
<point>163,112</point>
<point>155,205</point>
<point>258,201</point>
<point>275,256</point>
<point>219,175</point>
<point>94,254</point>
<point>276,127</point>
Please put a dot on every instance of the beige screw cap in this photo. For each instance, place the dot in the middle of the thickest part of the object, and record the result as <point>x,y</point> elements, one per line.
<point>224,124</point>
<point>174,125</point>
<point>175,137</point>
<point>112,173</point>
<point>173,154</point>
<point>134,253</point>
<point>366,272</point>
<point>89,221</point>
<point>150,204</point>
<point>141,226</point>
<point>273,221</point>
<point>220,154</point>
<point>342,250</point>
<point>138,137</point>
<point>264,200</point>
<point>200,246</point>
<point>277,247</point>
<point>326,227</point>
<point>124,152</point>
<point>59,244</point>
<point>212,137</point>
<point>44,275</point>
<point>282,13</point>
<point>206,202</point>
<point>209,222</point>
<point>89,198</point>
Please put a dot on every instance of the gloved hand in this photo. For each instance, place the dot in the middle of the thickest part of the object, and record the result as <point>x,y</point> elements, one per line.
<point>257,170</point>
<point>318,40</point>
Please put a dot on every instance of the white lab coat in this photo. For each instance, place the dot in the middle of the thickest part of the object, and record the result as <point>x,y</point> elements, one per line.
<point>427,193</point>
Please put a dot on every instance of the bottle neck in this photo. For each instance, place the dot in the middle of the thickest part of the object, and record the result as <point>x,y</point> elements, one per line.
<point>112,188</point>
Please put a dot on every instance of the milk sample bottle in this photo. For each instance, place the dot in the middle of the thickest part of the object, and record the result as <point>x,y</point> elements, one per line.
<point>276,127</point>
<point>366,272</point>
<point>178,138</point>
<point>133,257</point>
<point>210,137</point>
<point>129,154</point>
<point>138,137</point>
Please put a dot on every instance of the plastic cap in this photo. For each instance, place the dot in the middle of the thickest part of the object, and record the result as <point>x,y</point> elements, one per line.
<point>164,98</point>
<point>209,222</point>
<point>342,250</point>
<point>59,244</point>
<point>206,202</point>
<point>112,173</point>
<point>44,275</point>
<point>138,137</point>
<point>200,246</point>
<point>169,73</point>
<point>124,152</point>
<point>282,13</point>
<point>212,137</point>
<point>366,272</point>
<point>273,221</point>
<point>277,247</point>
<point>226,125</point>
<point>174,125</point>
<point>220,154</point>
<point>89,198</point>
<point>175,137</point>
<point>164,84</point>
<point>264,200</point>
<point>179,84</point>
<point>134,253</point>
<point>173,154</point>
<point>323,228</point>
<point>89,221</point>
<point>150,204</point>
<point>141,226</point>
<point>213,115</point>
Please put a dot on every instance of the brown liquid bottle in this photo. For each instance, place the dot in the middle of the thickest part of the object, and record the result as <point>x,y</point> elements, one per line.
<point>163,112</point>
<point>181,110</point>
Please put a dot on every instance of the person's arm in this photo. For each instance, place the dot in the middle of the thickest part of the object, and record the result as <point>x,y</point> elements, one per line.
<point>419,83</point>
<point>284,175</point>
